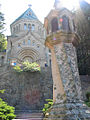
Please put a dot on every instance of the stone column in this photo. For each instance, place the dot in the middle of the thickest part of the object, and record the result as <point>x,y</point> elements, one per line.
<point>58,89</point>
<point>66,82</point>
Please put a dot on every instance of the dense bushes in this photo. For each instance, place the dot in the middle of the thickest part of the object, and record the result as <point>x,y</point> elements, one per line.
<point>26,67</point>
<point>6,111</point>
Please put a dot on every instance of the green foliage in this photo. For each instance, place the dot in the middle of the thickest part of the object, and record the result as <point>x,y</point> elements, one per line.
<point>1,22</point>
<point>17,69</point>
<point>6,111</point>
<point>47,106</point>
<point>3,43</point>
<point>88,99</point>
<point>2,91</point>
<point>33,67</point>
<point>27,67</point>
<point>83,29</point>
<point>87,103</point>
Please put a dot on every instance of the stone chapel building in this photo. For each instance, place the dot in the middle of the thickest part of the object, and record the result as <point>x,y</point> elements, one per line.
<point>27,40</point>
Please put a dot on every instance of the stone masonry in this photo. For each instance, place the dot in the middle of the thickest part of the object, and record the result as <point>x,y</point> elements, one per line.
<point>26,91</point>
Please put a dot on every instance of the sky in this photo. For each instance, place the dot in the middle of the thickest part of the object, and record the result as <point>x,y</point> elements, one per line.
<point>12,9</point>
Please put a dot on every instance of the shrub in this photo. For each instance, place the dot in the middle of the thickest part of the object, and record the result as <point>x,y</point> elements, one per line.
<point>33,67</point>
<point>6,111</point>
<point>47,106</point>
<point>27,67</point>
<point>17,69</point>
<point>87,103</point>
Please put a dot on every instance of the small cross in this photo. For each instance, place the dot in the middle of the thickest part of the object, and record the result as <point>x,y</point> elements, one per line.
<point>29,5</point>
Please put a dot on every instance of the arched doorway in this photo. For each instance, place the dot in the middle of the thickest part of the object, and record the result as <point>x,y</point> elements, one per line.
<point>65,23</point>
<point>54,24</point>
<point>27,54</point>
<point>28,58</point>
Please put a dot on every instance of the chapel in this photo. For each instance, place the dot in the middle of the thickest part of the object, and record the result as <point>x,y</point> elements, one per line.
<point>27,40</point>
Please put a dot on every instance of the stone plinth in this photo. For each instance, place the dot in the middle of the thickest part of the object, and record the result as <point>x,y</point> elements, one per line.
<point>66,82</point>
<point>68,111</point>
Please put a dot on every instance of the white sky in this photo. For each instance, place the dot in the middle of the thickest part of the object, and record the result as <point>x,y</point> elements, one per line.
<point>14,8</point>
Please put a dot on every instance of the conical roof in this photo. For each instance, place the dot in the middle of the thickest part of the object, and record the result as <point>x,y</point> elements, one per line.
<point>28,14</point>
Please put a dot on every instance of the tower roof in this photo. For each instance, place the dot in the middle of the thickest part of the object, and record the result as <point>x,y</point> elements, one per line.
<point>28,14</point>
<point>58,4</point>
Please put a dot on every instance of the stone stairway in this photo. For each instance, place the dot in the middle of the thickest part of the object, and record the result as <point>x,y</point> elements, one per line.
<point>29,116</point>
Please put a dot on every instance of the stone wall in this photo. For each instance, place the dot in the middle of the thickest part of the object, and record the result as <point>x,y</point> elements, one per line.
<point>26,91</point>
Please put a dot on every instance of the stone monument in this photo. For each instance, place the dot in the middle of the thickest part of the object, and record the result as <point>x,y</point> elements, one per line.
<point>61,40</point>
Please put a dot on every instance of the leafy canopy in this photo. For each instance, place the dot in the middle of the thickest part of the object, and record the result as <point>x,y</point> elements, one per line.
<point>1,22</point>
<point>3,41</point>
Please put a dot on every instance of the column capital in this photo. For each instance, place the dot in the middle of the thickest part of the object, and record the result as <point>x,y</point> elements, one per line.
<point>61,36</point>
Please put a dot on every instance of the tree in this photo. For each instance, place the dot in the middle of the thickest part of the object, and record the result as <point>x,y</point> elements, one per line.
<point>1,22</point>
<point>83,29</point>
<point>3,42</point>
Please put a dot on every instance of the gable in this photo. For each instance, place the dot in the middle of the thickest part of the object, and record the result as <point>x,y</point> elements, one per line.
<point>28,14</point>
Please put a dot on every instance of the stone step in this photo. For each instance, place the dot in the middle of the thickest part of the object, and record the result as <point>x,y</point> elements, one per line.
<point>29,116</point>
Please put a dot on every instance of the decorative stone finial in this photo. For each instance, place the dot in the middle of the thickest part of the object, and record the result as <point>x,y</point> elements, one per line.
<point>58,4</point>
<point>29,5</point>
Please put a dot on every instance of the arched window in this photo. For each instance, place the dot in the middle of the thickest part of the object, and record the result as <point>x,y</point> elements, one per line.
<point>65,23</point>
<point>38,46</point>
<point>29,42</point>
<point>29,27</point>
<point>25,26</point>
<point>14,29</point>
<point>11,43</point>
<point>19,45</point>
<point>19,27</point>
<point>33,27</point>
<point>54,24</point>
<point>33,43</point>
<point>74,26</point>
<point>24,42</point>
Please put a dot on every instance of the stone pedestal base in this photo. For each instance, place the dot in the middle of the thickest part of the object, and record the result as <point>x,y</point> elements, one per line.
<point>68,111</point>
